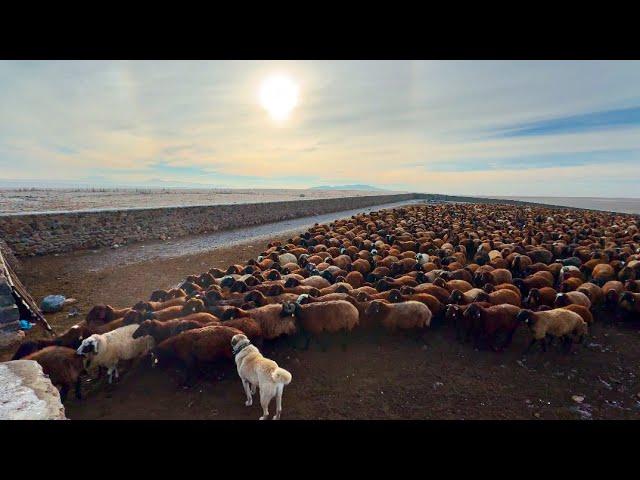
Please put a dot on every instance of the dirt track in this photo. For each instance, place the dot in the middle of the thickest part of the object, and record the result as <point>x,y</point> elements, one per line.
<point>394,378</point>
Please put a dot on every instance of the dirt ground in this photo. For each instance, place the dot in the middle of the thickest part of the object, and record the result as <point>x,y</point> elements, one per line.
<point>390,377</point>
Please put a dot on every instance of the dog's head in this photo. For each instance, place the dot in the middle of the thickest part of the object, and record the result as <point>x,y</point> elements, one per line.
<point>238,342</point>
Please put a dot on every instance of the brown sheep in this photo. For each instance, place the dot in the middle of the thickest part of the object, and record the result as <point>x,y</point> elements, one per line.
<point>200,345</point>
<point>581,310</point>
<point>611,292</point>
<point>400,316</point>
<point>63,366</point>
<point>330,317</point>
<point>540,296</point>
<point>155,306</point>
<point>160,331</point>
<point>101,314</point>
<point>274,320</point>
<point>568,298</point>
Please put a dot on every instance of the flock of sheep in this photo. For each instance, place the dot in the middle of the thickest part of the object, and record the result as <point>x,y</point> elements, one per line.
<point>483,270</point>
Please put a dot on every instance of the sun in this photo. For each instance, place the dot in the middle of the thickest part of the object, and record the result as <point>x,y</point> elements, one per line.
<point>279,96</point>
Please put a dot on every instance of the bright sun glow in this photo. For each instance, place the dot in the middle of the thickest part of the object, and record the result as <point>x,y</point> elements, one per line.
<point>279,96</point>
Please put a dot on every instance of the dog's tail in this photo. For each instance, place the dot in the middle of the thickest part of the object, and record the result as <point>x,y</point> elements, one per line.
<point>280,375</point>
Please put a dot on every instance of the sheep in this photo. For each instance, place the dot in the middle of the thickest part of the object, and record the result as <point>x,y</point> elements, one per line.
<point>330,317</point>
<point>155,306</point>
<point>564,299</point>
<point>467,297</point>
<point>494,277</point>
<point>593,292</point>
<point>463,325</point>
<point>274,320</point>
<point>540,296</point>
<point>63,366</point>
<point>630,301</point>
<point>101,314</point>
<point>487,323</point>
<point>200,345</point>
<point>160,331</point>
<point>611,292</point>
<point>602,273</point>
<point>558,322</point>
<point>499,297</point>
<point>105,350</point>
<point>581,310</point>
<point>395,296</point>
<point>403,316</point>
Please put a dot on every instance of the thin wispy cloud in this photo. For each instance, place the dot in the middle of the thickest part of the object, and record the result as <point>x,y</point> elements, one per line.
<point>474,127</point>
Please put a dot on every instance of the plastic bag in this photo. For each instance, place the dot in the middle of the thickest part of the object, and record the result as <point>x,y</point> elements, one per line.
<point>52,303</point>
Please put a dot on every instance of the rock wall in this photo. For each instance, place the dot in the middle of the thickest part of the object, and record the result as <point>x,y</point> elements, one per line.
<point>10,335</point>
<point>26,393</point>
<point>57,232</point>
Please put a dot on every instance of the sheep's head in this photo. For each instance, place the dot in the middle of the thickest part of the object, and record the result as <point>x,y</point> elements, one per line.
<point>455,297</point>
<point>383,285</point>
<point>255,296</point>
<point>518,282</point>
<point>274,290</point>
<point>473,311</point>
<point>143,307</point>
<point>394,296</point>
<point>440,282</point>
<point>533,299</point>
<point>525,316</point>
<point>134,316</point>
<point>303,299</point>
<point>489,287</point>
<point>158,296</point>
<point>632,286</point>
<point>274,274</point>
<point>227,281</point>
<point>230,313</point>
<point>145,328</point>
<point>627,297</point>
<point>89,346</point>
<point>327,275</point>
<point>194,305</point>
<point>562,300</point>
<point>453,312</point>
<point>612,297</point>
<point>289,309</point>
<point>206,280</point>
<point>239,286</point>
<point>292,282</point>
<point>100,314</point>
<point>211,296</point>
<point>375,307</point>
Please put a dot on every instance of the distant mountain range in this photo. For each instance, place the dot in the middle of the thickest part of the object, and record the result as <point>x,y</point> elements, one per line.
<point>347,187</point>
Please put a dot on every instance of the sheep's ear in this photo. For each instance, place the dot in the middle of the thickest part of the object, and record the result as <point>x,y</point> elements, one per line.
<point>95,346</point>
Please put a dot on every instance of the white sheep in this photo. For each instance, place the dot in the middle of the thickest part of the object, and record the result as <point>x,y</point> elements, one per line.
<point>107,349</point>
<point>422,258</point>
<point>287,258</point>
<point>565,270</point>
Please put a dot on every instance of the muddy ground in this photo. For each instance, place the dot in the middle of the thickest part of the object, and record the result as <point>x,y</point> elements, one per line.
<point>392,377</point>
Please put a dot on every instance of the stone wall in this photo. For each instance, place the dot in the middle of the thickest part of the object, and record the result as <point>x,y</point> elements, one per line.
<point>26,393</point>
<point>10,335</point>
<point>57,232</point>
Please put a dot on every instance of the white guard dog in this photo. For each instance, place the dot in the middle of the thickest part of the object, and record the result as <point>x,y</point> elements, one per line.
<point>258,371</point>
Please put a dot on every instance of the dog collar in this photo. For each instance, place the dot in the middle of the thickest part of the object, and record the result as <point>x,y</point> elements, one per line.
<point>236,350</point>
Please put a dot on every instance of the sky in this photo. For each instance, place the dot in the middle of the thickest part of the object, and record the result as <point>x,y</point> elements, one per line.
<point>554,128</point>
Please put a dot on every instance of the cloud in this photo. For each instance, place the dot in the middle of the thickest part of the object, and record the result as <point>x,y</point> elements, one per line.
<point>570,128</point>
